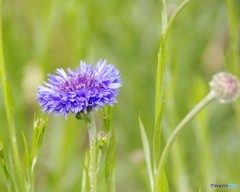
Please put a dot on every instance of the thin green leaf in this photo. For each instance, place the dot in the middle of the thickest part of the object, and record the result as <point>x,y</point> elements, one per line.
<point>110,151</point>
<point>159,103</point>
<point>157,140</point>
<point>3,162</point>
<point>99,155</point>
<point>110,162</point>
<point>164,183</point>
<point>27,157</point>
<point>38,133</point>
<point>85,181</point>
<point>233,50</point>
<point>147,152</point>
<point>8,101</point>
<point>28,160</point>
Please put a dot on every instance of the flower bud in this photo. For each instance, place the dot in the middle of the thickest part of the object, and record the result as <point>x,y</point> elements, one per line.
<point>225,87</point>
<point>102,139</point>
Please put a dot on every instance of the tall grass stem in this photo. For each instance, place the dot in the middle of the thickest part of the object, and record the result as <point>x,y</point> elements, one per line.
<point>234,37</point>
<point>159,103</point>
<point>9,112</point>
<point>234,58</point>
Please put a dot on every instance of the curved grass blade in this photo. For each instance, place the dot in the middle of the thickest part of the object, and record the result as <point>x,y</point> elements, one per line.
<point>147,153</point>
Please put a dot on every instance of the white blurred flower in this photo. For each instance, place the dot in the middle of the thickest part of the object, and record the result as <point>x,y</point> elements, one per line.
<point>225,87</point>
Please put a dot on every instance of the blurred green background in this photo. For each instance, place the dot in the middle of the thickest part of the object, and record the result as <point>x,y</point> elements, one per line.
<point>40,36</point>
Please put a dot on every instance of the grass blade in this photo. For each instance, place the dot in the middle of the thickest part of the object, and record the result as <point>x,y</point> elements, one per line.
<point>110,152</point>
<point>3,163</point>
<point>85,181</point>
<point>110,162</point>
<point>147,152</point>
<point>27,169</point>
<point>8,101</point>
<point>38,133</point>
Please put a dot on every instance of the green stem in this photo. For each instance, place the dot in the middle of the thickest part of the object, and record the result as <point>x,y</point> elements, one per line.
<point>234,59</point>
<point>9,112</point>
<point>174,16</point>
<point>234,37</point>
<point>164,15</point>
<point>159,89</point>
<point>182,124</point>
<point>159,104</point>
<point>10,183</point>
<point>110,152</point>
<point>110,161</point>
<point>92,169</point>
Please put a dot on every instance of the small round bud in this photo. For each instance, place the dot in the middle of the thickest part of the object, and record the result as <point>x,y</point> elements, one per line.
<point>225,87</point>
<point>102,139</point>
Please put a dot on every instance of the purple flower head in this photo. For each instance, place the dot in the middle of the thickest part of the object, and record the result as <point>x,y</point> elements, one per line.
<point>81,90</point>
